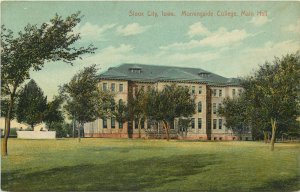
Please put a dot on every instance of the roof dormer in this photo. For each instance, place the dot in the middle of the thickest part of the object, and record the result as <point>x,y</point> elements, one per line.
<point>135,69</point>
<point>204,74</point>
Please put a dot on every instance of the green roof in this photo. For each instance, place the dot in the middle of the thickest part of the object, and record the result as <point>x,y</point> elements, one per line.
<point>156,73</point>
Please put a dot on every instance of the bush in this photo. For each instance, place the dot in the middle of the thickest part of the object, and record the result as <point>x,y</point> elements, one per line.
<point>62,129</point>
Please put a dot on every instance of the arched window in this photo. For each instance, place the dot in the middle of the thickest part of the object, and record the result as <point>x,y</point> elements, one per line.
<point>199,107</point>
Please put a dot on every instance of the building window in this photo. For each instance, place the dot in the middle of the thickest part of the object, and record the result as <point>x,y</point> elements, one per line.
<point>120,124</point>
<point>104,86</point>
<point>136,123</point>
<point>120,102</point>
<point>199,107</point>
<point>214,92</point>
<point>136,89</point>
<point>199,123</point>
<point>113,122</point>
<point>143,123</point>
<point>219,106</point>
<point>220,123</point>
<point>113,105</point>
<point>193,123</point>
<point>148,124</point>
<point>220,92</point>
<point>240,91</point>
<point>200,90</point>
<point>113,87</point>
<point>104,123</point>
<point>172,125</point>
<point>121,88</point>
<point>214,108</point>
<point>214,124</point>
<point>135,70</point>
<point>233,92</point>
<point>193,89</point>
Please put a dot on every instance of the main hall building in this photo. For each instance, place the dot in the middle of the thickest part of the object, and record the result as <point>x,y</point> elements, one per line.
<point>208,88</point>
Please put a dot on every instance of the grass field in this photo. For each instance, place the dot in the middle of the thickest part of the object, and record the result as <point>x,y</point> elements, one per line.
<point>149,165</point>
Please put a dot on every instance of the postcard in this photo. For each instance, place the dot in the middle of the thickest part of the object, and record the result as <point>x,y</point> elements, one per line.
<point>131,96</point>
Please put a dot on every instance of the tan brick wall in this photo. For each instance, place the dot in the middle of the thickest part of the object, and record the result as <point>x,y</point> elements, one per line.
<point>94,129</point>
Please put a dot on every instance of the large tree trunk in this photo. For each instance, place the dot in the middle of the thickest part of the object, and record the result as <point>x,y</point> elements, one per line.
<point>7,124</point>
<point>139,127</point>
<point>79,133</point>
<point>265,136</point>
<point>6,135</point>
<point>273,124</point>
<point>166,126</point>
<point>74,128</point>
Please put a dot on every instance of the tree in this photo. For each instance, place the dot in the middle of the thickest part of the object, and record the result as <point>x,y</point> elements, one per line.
<point>121,112</point>
<point>274,92</point>
<point>234,111</point>
<point>170,103</point>
<point>62,129</point>
<point>138,105</point>
<point>53,114</point>
<point>270,101</point>
<point>84,101</point>
<point>30,49</point>
<point>31,105</point>
<point>183,124</point>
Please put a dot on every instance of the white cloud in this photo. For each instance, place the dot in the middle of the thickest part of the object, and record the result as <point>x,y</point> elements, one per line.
<point>260,20</point>
<point>190,58</point>
<point>124,53</point>
<point>220,38</point>
<point>295,28</point>
<point>248,59</point>
<point>123,48</point>
<point>89,31</point>
<point>197,29</point>
<point>223,37</point>
<point>110,56</point>
<point>271,49</point>
<point>131,29</point>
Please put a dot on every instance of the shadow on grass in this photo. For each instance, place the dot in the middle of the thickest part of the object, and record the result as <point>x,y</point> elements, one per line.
<point>143,174</point>
<point>291,184</point>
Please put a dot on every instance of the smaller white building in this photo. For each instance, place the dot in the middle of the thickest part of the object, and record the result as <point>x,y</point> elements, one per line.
<point>40,131</point>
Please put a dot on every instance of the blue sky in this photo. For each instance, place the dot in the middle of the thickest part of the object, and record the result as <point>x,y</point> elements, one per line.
<point>226,45</point>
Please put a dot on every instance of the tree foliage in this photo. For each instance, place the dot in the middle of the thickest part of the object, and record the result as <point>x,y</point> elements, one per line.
<point>31,105</point>
<point>121,112</point>
<point>137,105</point>
<point>80,94</point>
<point>30,49</point>
<point>62,129</point>
<point>4,108</point>
<point>270,101</point>
<point>275,90</point>
<point>235,112</point>
<point>53,113</point>
<point>84,101</point>
<point>170,103</point>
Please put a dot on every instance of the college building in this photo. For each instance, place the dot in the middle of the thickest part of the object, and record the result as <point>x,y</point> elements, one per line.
<point>209,90</point>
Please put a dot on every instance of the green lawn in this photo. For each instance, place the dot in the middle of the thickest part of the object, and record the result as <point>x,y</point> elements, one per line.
<point>149,165</point>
